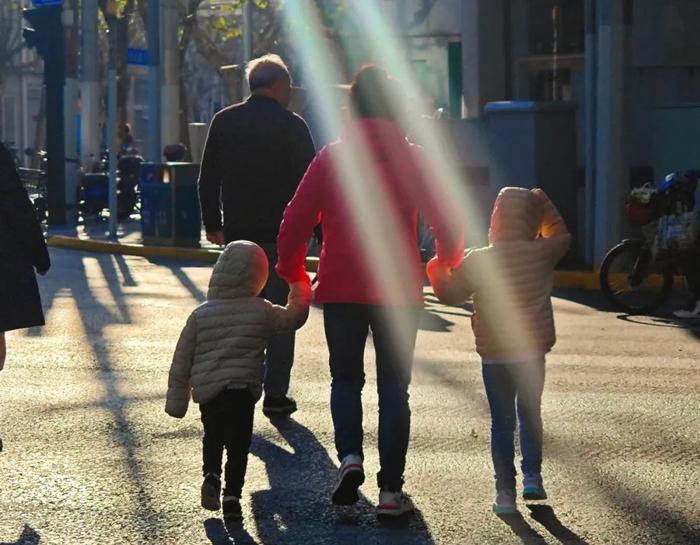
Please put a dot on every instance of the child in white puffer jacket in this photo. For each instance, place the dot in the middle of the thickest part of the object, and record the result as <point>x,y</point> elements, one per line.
<point>219,361</point>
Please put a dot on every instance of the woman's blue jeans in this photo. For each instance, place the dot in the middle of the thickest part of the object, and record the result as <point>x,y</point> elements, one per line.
<point>394,334</point>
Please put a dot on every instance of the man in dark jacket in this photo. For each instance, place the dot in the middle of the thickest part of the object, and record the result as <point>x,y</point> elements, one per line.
<point>255,156</point>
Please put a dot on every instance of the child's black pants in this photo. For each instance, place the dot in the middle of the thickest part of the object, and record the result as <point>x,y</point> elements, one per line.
<point>228,422</point>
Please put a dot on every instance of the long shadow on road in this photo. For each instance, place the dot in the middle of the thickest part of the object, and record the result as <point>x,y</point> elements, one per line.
<point>95,317</point>
<point>663,317</point>
<point>29,536</point>
<point>527,534</point>
<point>544,514</point>
<point>691,326</point>
<point>297,508</point>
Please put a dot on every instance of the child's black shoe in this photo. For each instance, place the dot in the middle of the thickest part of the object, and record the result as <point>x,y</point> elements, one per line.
<point>232,509</point>
<point>211,492</point>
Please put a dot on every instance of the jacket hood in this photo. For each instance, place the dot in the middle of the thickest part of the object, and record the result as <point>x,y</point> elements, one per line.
<point>517,215</point>
<point>384,139</point>
<point>240,271</point>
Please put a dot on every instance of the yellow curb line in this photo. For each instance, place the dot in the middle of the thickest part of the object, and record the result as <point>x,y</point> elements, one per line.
<point>562,279</point>
<point>165,252</point>
<point>589,280</point>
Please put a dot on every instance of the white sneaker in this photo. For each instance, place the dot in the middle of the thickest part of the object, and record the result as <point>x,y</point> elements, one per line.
<point>350,476</point>
<point>505,502</point>
<point>689,313</point>
<point>393,504</point>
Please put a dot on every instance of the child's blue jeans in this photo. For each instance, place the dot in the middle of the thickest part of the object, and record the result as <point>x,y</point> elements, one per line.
<point>514,388</point>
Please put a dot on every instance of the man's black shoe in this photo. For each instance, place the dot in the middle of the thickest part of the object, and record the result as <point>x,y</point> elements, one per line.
<point>279,406</point>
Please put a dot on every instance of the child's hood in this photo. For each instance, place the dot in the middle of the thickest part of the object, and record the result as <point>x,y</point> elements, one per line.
<point>240,271</point>
<point>517,215</point>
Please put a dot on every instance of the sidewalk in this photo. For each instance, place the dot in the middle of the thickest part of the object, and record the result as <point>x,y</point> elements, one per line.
<point>93,238</point>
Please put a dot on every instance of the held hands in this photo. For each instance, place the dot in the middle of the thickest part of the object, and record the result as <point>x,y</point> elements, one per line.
<point>216,237</point>
<point>298,302</point>
<point>438,274</point>
<point>300,291</point>
<point>444,283</point>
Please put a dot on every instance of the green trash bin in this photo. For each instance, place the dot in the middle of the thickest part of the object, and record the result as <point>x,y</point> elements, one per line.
<point>170,204</point>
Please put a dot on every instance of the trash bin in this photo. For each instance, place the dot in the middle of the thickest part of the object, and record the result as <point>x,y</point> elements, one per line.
<point>170,204</point>
<point>534,144</point>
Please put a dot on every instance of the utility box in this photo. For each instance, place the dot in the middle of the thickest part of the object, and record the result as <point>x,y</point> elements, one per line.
<point>170,204</point>
<point>533,144</point>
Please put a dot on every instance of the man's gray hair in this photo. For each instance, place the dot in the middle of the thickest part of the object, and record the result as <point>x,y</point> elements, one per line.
<point>265,71</point>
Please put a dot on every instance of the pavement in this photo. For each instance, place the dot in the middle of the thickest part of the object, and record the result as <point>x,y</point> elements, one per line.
<point>91,458</point>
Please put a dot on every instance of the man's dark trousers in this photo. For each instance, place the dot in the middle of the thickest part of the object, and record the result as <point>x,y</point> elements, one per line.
<point>279,355</point>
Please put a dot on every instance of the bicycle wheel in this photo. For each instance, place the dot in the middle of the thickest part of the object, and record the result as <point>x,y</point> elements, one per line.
<point>632,280</point>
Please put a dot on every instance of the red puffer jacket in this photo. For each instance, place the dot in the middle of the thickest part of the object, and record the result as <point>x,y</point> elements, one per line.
<point>366,190</point>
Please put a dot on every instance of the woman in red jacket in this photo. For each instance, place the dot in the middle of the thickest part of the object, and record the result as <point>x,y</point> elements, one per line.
<point>357,295</point>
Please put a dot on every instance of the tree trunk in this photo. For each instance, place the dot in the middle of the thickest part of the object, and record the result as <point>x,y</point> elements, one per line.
<point>121,26</point>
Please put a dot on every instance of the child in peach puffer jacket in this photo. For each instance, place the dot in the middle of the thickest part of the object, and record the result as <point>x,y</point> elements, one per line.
<point>511,282</point>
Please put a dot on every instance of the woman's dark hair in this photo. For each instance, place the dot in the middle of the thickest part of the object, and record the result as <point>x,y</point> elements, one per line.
<point>374,93</point>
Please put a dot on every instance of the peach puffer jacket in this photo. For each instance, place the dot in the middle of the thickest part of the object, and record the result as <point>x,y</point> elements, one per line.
<point>223,342</point>
<point>511,279</point>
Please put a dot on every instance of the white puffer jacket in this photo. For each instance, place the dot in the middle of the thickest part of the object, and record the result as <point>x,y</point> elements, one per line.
<point>511,279</point>
<point>223,342</point>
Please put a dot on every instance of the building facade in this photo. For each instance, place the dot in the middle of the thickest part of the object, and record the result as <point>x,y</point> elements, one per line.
<point>20,84</point>
<point>612,85</point>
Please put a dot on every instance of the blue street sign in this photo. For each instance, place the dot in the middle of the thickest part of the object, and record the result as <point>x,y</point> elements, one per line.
<point>137,56</point>
<point>47,2</point>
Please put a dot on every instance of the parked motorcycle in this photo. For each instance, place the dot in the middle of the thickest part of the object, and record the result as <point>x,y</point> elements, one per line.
<point>637,274</point>
<point>94,188</point>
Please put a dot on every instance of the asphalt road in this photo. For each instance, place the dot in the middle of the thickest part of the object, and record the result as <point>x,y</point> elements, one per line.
<point>90,456</point>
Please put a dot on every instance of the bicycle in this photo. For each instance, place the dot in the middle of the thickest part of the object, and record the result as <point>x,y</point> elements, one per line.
<point>636,276</point>
<point>36,184</point>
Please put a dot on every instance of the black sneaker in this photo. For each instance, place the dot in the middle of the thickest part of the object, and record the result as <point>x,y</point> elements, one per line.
<point>232,509</point>
<point>279,406</point>
<point>211,492</point>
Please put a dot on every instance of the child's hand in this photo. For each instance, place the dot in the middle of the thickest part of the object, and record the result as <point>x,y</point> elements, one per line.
<point>300,291</point>
<point>175,412</point>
